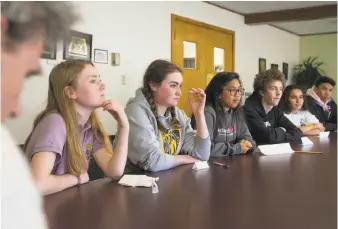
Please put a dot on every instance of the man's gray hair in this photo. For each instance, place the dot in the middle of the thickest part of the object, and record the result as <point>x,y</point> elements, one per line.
<point>26,19</point>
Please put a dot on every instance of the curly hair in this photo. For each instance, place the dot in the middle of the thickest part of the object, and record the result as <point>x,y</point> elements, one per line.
<point>263,79</point>
<point>284,103</point>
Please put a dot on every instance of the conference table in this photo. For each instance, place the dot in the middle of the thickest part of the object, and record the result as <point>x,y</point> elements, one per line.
<point>295,190</point>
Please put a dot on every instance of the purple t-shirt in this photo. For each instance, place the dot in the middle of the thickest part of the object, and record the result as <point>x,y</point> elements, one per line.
<point>50,136</point>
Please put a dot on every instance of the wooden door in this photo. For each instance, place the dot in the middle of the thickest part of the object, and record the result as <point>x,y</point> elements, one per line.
<point>196,48</point>
<point>219,49</point>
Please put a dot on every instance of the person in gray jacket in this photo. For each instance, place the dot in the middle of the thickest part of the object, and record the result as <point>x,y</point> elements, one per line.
<point>225,119</point>
<point>161,136</point>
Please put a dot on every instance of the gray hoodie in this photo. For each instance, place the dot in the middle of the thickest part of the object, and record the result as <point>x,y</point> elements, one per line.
<point>151,150</point>
<point>226,129</point>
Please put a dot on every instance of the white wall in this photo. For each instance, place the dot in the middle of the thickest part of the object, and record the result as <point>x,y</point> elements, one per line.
<point>140,31</point>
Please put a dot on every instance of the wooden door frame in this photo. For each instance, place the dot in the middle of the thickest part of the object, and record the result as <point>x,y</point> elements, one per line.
<point>175,18</point>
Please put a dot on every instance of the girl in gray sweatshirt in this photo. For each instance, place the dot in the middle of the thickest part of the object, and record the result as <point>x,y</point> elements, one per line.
<point>161,136</point>
<point>225,120</point>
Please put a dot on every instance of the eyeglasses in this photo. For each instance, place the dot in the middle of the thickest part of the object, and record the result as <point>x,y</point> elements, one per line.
<point>236,91</point>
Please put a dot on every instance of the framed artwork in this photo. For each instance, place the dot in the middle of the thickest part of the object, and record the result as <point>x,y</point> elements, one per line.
<point>101,56</point>
<point>78,46</point>
<point>49,52</point>
<point>219,68</point>
<point>261,65</point>
<point>286,70</point>
<point>274,66</point>
<point>115,59</point>
<point>246,95</point>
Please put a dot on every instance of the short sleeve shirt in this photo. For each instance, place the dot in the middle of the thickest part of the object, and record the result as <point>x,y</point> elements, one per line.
<point>50,136</point>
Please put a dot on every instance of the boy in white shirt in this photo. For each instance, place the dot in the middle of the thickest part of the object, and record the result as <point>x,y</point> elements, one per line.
<point>26,28</point>
<point>294,106</point>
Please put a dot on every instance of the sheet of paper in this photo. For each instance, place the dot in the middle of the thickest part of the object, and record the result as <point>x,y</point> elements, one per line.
<point>324,134</point>
<point>200,165</point>
<point>276,149</point>
<point>306,141</point>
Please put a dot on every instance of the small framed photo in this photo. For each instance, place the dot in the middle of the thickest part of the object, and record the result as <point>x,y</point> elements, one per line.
<point>246,95</point>
<point>286,70</point>
<point>261,65</point>
<point>101,56</point>
<point>274,66</point>
<point>78,46</point>
<point>115,59</point>
<point>49,52</point>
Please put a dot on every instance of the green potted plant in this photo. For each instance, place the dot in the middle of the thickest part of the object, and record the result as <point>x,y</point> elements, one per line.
<point>307,72</point>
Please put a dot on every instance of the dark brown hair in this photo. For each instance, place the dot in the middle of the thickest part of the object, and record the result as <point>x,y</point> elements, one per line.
<point>284,103</point>
<point>156,72</point>
<point>215,87</point>
<point>324,79</point>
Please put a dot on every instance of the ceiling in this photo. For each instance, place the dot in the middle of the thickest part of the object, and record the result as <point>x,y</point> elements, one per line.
<point>297,17</point>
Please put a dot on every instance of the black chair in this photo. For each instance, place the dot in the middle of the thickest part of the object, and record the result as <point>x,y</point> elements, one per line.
<point>21,147</point>
<point>94,170</point>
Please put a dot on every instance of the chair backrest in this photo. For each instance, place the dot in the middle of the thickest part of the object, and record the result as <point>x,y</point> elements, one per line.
<point>94,170</point>
<point>111,138</point>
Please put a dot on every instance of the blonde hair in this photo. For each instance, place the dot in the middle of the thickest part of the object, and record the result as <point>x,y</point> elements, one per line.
<point>62,75</point>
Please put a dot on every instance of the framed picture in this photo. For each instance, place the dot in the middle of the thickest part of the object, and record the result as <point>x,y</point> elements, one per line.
<point>274,66</point>
<point>246,95</point>
<point>286,70</point>
<point>115,59</point>
<point>49,52</point>
<point>261,65</point>
<point>101,56</point>
<point>78,46</point>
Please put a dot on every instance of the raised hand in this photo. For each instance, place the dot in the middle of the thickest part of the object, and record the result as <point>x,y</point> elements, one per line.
<point>196,100</point>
